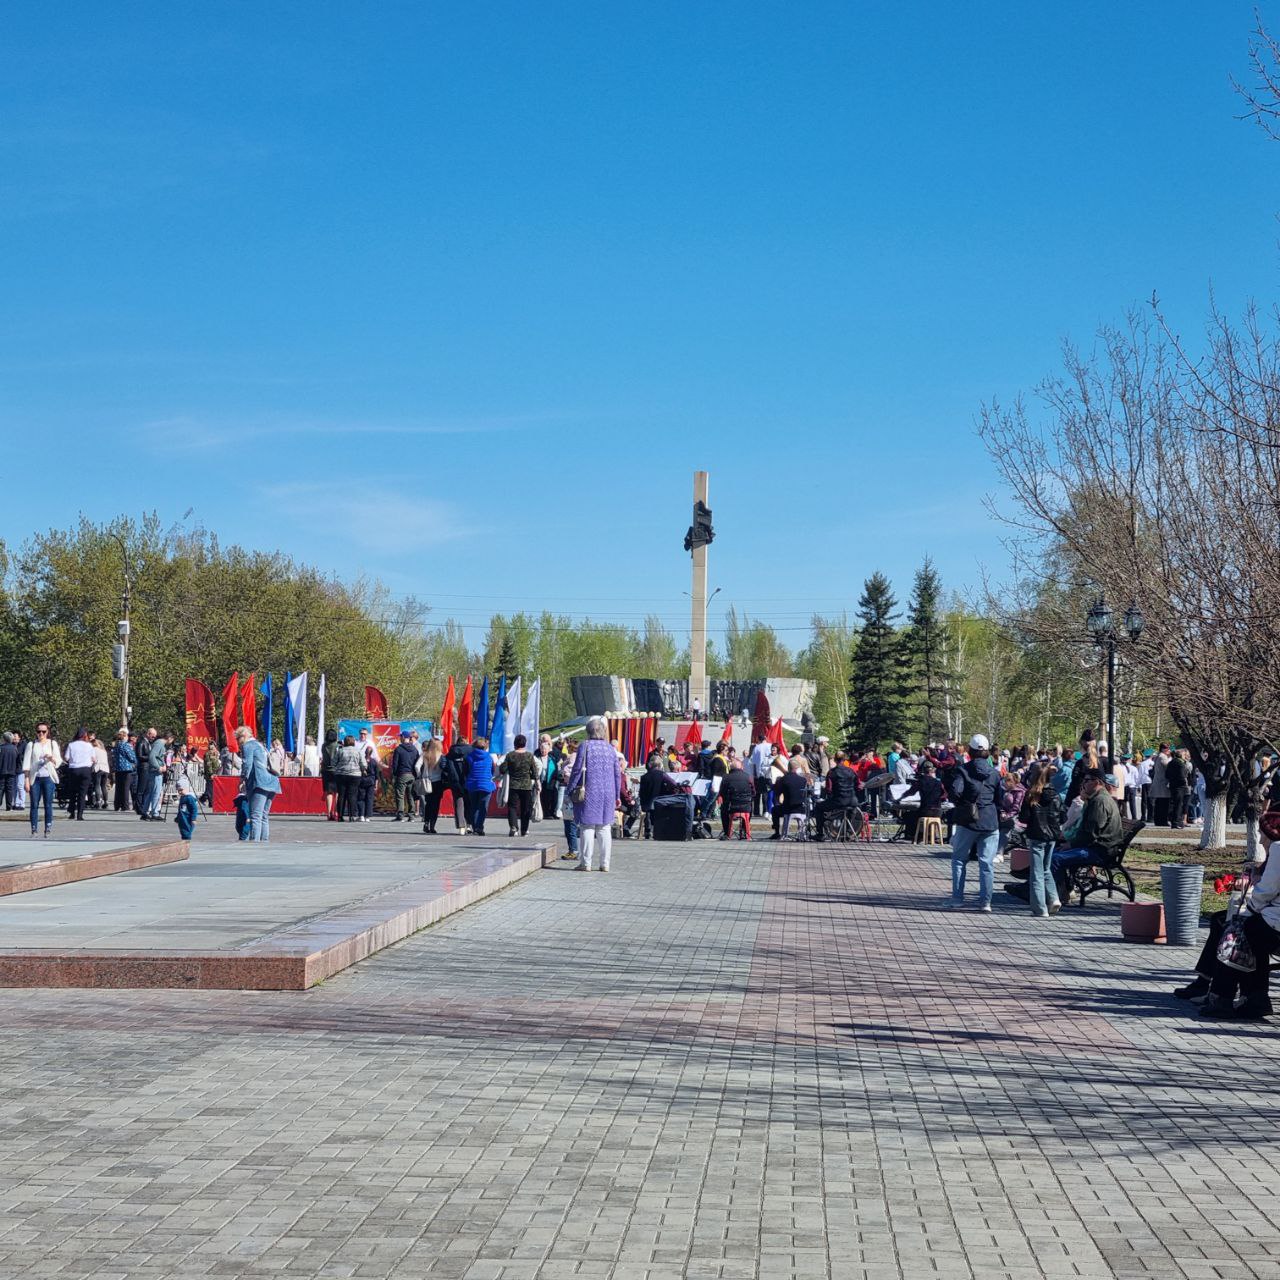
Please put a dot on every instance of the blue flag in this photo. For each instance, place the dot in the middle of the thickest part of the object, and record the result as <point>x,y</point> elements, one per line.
<point>290,743</point>
<point>499,715</point>
<point>482,710</point>
<point>266,712</point>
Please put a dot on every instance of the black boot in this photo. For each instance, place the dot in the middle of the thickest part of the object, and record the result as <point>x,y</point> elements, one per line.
<point>1197,987</point>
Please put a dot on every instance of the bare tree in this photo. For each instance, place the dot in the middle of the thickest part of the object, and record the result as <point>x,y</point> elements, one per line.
<point>1159,483</point>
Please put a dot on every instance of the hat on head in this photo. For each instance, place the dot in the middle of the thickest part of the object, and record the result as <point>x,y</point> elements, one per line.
<point>979,742</point>
<point>406,733</point>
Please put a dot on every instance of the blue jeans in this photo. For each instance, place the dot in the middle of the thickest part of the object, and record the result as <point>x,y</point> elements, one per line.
<point>1043,892</point>
<point>42,788</point>
<point>259,827</point>
<point>155,790</point>
<point>984,842</point>
<point>571,835</point>
<point>477,808</point>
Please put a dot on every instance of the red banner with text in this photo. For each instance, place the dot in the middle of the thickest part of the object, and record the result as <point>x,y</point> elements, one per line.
<point>201,715</point>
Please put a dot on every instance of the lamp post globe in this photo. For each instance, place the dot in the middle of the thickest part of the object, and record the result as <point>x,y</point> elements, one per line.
<point>1134,621</point>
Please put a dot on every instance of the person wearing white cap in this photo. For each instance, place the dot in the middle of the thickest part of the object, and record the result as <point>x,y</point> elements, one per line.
<point>976,790</point>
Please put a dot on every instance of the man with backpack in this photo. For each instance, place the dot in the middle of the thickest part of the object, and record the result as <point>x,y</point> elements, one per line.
<point>976,790</point>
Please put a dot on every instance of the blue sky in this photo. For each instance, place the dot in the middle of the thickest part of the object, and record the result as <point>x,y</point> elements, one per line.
<point>460,295</point>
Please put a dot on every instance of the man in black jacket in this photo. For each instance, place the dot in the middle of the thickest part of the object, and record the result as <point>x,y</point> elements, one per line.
<point>842,792</point>
<point>976,789</point>
<point>736,793</point>
<point>10,763</point>
<point>790,794</point>
<point>404,769</point>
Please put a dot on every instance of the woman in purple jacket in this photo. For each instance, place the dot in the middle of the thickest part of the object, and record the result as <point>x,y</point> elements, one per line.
<point>594,815</point>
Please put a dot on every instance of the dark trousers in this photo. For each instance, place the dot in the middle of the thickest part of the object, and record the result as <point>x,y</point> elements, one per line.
<point>477,807</point>
<point>140,790</point>
<point>125,789</point>
<point>348,793</point>
<point>1146,802</point>
<point>459,802</point>
<point>100,781</point>
<point>1252,986</point>
<point>1160,810</point>
<point>519,810</point>
<point>365,796</point>
<point>431,807</point>
<point>78,783</point>
<point>1178,798</point>
<point>9,790</point>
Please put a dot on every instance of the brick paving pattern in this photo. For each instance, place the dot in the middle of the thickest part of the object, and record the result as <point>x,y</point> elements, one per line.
<point>719,1060</point>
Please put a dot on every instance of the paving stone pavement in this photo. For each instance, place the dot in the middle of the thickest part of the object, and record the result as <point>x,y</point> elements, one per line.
<point>719,1060</point>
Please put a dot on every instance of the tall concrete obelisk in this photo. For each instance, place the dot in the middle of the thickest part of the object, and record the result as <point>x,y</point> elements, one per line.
<point>697,542</point>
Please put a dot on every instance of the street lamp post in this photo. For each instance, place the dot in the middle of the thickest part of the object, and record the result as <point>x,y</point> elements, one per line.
<point>122,628</point>
<point>1101,624</point>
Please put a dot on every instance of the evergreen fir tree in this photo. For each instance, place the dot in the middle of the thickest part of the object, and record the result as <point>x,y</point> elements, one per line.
<point>878,683</point>
<point>925,641</point>
<point>508,663</point>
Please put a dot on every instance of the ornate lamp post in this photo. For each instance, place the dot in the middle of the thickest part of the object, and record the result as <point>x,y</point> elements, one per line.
<point>1101,624</point>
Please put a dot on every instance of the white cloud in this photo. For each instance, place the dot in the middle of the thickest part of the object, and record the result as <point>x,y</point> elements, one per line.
<point>364,513</point>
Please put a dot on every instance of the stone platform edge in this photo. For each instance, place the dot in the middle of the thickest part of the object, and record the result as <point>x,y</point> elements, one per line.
<point>293,957</point>
<point>23,877</point>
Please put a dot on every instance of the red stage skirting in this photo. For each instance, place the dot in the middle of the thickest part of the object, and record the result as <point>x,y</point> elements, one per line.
<point>297,795</point>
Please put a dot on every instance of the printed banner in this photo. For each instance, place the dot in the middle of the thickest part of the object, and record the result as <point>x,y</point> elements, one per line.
<point>201,716</point>
<point>385,733</point>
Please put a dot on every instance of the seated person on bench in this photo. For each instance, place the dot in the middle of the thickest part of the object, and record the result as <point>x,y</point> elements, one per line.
<point>928,786</point>
<point>1259,915</point>
<point>789,793</point>
<point>1095,839</point>
<point>842,793</point>
<point>736,795</point>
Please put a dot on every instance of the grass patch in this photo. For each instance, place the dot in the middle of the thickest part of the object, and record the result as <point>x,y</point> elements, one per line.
<point>1143,864</point>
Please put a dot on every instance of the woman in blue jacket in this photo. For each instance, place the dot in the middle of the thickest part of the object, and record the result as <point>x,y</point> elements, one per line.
<point>480,784</point>
<point>261,786</point>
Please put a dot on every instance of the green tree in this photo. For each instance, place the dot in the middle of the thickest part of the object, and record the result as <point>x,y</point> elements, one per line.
<point>878,685</point>
<point>508,663</point>
<point>925,644</point>
<point>753,650</point>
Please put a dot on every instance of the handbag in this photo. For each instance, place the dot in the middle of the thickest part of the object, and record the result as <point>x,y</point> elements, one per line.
<point>1234,950</point>
<point>579,793</point>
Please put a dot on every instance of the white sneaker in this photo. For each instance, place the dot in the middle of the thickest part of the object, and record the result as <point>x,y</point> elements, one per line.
<point>985,908</point>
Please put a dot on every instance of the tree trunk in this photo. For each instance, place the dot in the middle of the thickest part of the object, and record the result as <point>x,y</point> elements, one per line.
<point>1214,834</point>
<point>1251,838</point>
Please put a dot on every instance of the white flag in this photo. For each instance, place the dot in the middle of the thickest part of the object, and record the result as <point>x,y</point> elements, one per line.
<point>296,692</point>
<point>532,714</point>
<point>320,729</point>
<point>511,725</point>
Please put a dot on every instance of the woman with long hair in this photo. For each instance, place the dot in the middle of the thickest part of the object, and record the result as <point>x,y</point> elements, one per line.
<point>1042,813</point>
<point>432,784</point>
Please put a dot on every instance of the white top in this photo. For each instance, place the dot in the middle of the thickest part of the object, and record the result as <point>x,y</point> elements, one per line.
<point>1264,897</point>
<point>101,761</point>
<point>80,755</point>
<point>41,759</point>
<point>311,760</point>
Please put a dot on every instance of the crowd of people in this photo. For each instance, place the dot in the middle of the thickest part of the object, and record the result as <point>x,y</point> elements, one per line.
<point>1070,808</point>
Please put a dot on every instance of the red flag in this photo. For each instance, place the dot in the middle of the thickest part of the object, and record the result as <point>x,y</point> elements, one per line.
<point>689,733</point>
<point>375,703</point>
<point>231,708</point>
<point>446,717</point>
<point>760,719</point>
<point>249,704</point>
<point>727,735</point>
<point>465,713</point>
<point>775,735</point>
<point>200,714</point>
